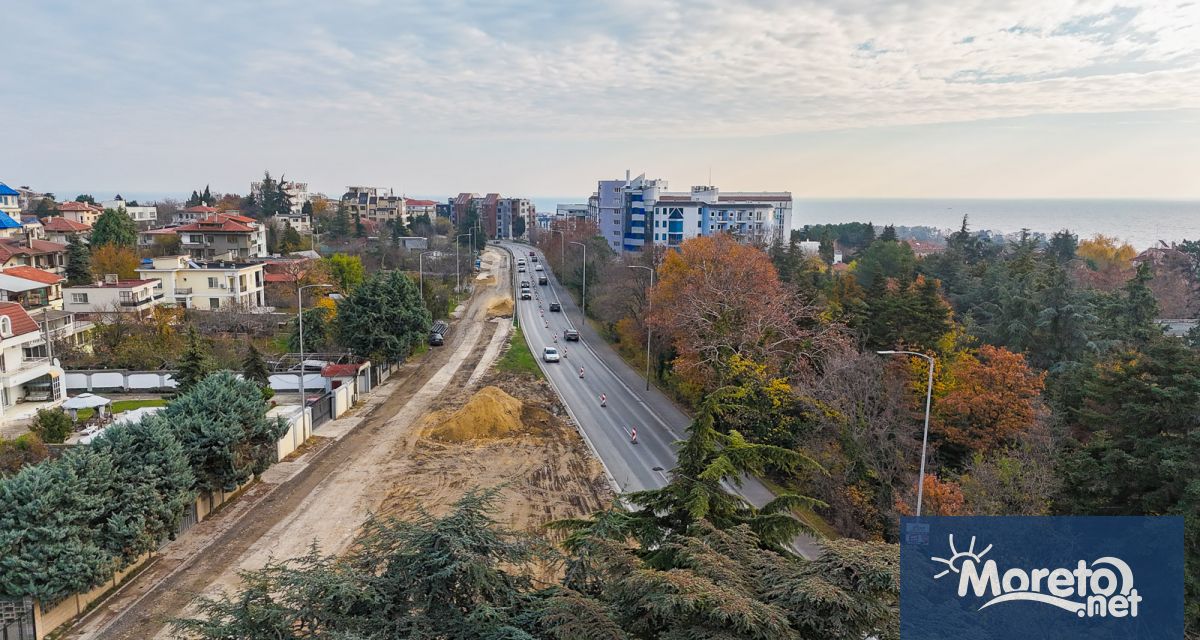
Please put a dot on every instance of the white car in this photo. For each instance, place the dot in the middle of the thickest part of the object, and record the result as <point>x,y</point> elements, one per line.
<point>537,267</point>
<point>550,354</point>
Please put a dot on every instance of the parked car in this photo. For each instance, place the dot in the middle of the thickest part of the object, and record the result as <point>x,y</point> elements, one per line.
<point>438,333</point>
<point>571,335</point>
<point>554,306</point>
<point>542,280</point>
<point>550,354</point>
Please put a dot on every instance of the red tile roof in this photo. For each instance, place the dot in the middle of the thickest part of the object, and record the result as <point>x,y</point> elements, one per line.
<point>64,225</point>
<point>218,224</point>
<point>78,206</point>
<point>36,275</point>
<point>10,247</point>
<point>278,277</point>
<point>200,209</point>
<point>166,231</point>
<point>21,322</point>
<point>419,203</point>
<point>340,370</point>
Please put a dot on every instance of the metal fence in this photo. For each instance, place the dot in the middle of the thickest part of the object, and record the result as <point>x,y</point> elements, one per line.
<point>16,619</point>
<point>322,410</point>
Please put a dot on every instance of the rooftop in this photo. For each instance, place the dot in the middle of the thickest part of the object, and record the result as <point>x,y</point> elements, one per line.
<point>78,206</point>
<point>6,190</point>
<point>6,222</point>
<point>64,225</point>
<point>21,322</point>
<point>219,224</point>
<point>37,275</point>
<point>119,284</point>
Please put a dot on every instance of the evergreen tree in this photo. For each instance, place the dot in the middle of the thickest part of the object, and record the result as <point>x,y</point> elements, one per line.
<point>223,426</point>
<point>340,227</point>
<point>254,368</point>
<point>307,209</point>
<point>360,231</point>
<point>889,234</point>
<point>193,200</point>
<point>194,364</point>
<point>291,240</point>
<point>85,197</point>
<point>826,250</point>
<point>207,198</point>
<point>116,228</point>
<point>318,332</point>
<point>1062,246</point>
<point>384,318</point>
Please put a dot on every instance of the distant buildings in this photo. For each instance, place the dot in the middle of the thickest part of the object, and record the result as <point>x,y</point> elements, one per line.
<point>192,214</point>
<point>415,208</point>
<point>372,203</point>
<point>298,196</point>
<point>143,215</point>
<point>496,213</point>
<point>81,212</point>
<point>635,213</point>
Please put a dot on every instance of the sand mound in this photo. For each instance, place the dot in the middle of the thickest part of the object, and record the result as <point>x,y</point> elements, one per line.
<point>485,279</point>
<point>489,414</point>
<point>501,308</point>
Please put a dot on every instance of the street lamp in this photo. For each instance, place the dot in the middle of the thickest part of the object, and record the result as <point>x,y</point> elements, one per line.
<point>421,271</point>
<point>649,307</point>
<point>457,261</point>
<point>584,278</point>
<point>300,320</point>
<point>928,401</point>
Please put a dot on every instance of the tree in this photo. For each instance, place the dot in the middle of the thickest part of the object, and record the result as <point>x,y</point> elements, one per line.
<point>194,364</point>
<point>271,199</point>
<point>79,263</point>
<point>518,226</point>
<point>318,330</point>
<point>360,231</point>
<point>46,208</point>
<point>52,425</point>
<point>340,227</point>
<point>113,259</point>
<point>889,234</point>
<point>24,450</point>
<point>207,197</point>
<point>223,425</point>
<point>254,368</point>
<point>912,315</point>
<point>85,197</point>
<point>384,318</point>
<point>826,249</point>
<point>114,227</point>
<point>346,271</point>
<point>707,460</point>
<point>991,398</point>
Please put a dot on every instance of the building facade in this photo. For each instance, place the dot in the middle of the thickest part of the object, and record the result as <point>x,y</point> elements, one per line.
<point>81,212</point>
<point>638,212</point>
<point>141,214</point>
<point>224,236</point>
<point>27,374</point>
<point>10,201</point>
<point>30,252</point>
<point>375,204</point>
<point>195,284</point>
<point>112,297</point>
<point>31,288</point>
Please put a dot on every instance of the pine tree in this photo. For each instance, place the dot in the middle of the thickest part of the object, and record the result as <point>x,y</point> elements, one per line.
<point>384,318</point>
<point>194,364</point>
<point>826,249</point>
<point>116,228</point>
<point>340,228</point>
<point>359,230</point>
<point>889,234</point>
<point>208,197</point>
<point>254,368</point>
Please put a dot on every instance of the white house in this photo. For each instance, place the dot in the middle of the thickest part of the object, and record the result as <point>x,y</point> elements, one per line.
<point>194,284</point>
<point>141,214</point>
<point>27,373</point>
<point>113,296</point>
<point>10,201</point>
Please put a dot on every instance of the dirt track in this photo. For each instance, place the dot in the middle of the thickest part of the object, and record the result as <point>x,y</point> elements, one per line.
<point>382,463</point>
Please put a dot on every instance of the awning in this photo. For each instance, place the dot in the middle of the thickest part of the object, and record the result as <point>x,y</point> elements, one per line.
<point>19,285</point>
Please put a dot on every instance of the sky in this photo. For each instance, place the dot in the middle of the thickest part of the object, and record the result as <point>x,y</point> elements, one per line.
<point>857,98</point>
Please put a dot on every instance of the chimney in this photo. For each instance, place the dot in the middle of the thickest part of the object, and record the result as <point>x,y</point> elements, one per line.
<point>29,238</point>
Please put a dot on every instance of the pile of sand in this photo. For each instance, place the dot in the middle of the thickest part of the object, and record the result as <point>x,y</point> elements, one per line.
<point>485,279</point>
<point>502,308</point>
<point>489,414</point>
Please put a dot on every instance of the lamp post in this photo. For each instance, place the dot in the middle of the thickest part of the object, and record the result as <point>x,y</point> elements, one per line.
<point>584,297</point>
<point>925,436</point>
<point>300,321</point>
<point>649,306</point>
<point>421,271</point>
<point>457,261</point>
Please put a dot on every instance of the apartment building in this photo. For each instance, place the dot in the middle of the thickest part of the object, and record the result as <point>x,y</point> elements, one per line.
<point>10,201</point>
<point>27,373</point>
<point>31,252</point>
<point>141,214</point>
<point>113,297</point>
<point>224,236</point>
<point>193,214</point>
<point>637,212</point>
<point>375,204</point>
<point>415,208</point>
<point>507,211</point>
<point>81,212</point>
<point>196,284</point>
<point>496,213</point>
<point>31,288</point>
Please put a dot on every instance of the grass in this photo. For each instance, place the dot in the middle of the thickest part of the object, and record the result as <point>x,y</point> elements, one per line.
<point>124,405</point>
<point>518,358</point>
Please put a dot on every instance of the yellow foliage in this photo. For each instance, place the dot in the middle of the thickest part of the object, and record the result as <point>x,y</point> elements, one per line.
<point>1101,252</point>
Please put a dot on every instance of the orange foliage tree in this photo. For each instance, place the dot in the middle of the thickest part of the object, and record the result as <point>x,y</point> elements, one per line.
<point>987,399</point>
<point>716,298</point>
<point>112,258</point>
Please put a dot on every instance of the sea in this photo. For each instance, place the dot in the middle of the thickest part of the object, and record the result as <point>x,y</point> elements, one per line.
<point>1141,223</point>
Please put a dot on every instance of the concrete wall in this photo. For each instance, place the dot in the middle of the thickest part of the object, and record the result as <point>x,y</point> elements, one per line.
<point>46,621</point>
<point>299,429</point>
<point>118,380</point>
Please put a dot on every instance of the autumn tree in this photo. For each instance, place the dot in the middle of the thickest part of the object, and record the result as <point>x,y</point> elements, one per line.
<point>114,259</point>
<point>716,298</point>
<point>990,398</point>
<point>24,450</point>
<point>940,498</point>
<point>1106,262</point>
<point>346,272</point>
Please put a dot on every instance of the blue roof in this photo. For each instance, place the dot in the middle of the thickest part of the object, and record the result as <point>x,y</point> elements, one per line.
<point>6,222</point>
<point>6,190</point>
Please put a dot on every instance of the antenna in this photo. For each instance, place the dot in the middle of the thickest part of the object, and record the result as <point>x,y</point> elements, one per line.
<point>710,175</point>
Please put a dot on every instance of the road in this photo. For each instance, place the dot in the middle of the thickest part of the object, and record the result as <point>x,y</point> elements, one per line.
<point>659,423</point>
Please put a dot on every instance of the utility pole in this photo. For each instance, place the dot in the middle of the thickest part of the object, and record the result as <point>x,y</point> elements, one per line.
<point>925,436</point>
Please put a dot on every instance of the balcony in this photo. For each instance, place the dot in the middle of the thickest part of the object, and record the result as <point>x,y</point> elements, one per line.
<point>183,291</point>
<point>138,303</point>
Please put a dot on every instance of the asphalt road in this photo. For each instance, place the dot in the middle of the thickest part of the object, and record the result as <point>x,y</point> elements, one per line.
<point>659,423</point>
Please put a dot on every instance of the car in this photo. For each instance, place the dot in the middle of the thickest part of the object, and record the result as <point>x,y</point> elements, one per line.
<point>538,268</point>
<point>524,284</point>
<point>525,295</point>
<point>521,268</point>
<point>554,306</point>
<point>542,280</point>
<point>571,335</point>
<point>533,258</point>
<point>438,333</point>
<point>550,354</point>
<point>533,255</point>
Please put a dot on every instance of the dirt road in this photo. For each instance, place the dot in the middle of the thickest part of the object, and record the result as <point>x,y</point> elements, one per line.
<point>380,461</point>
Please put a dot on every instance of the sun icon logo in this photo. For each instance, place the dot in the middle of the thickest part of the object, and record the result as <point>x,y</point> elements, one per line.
<point>958,557</point>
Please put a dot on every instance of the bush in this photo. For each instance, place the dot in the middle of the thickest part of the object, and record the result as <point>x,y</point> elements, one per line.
<point>16,454</point>
<point>52,425</point>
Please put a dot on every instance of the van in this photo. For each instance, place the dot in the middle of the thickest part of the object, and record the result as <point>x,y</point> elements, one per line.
<point>438,333</point>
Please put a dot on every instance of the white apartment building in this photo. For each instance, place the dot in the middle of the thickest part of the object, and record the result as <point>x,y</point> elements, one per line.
<point>141,214</point>
<point>637,212</point>
<point>297,193</point>
<point>208,285</point>
<point>113,296</point>
<point>27,374</point>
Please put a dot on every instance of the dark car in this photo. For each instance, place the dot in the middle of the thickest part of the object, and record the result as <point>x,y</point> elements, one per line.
<point>571,335</point>
<point>438,333</point>
<point>542,280</point>
<point>554,306</point>
<point>532,255</point>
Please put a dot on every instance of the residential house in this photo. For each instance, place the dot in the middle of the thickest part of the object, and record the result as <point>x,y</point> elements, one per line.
<point>61,230</point>
<point>193,214</point>
<point>371,203</point>
<point>281,277</point>
<point>113,296</point>
<point>10,226</point>
<point>414,208</point>
<point>61,326</point>
<point>31,288</point>
<point>81,212</point>
<point>142,214</point>
<point>10,200</point>
<point>298,196</point>
<point>195,284</point>
<point>42,254</point>
<point>26,372</point>
<point>33,227</point>
<point>149,238</point>
<point>224,236</point>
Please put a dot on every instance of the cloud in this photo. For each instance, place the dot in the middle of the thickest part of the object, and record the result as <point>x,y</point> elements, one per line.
<point>623,68</point>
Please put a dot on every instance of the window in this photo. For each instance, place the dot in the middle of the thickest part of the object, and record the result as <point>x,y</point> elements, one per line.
<point>79,298</point>
<point>214,303</point>
<point>212,283</point>
<point>5,326</point>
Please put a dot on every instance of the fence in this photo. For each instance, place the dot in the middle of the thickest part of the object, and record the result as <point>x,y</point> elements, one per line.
<point>322,410</point>
<point>119,380</point>
<point>16,619</point>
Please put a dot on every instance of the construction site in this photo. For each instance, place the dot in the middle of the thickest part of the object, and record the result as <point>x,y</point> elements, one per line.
<point>447,422</point>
